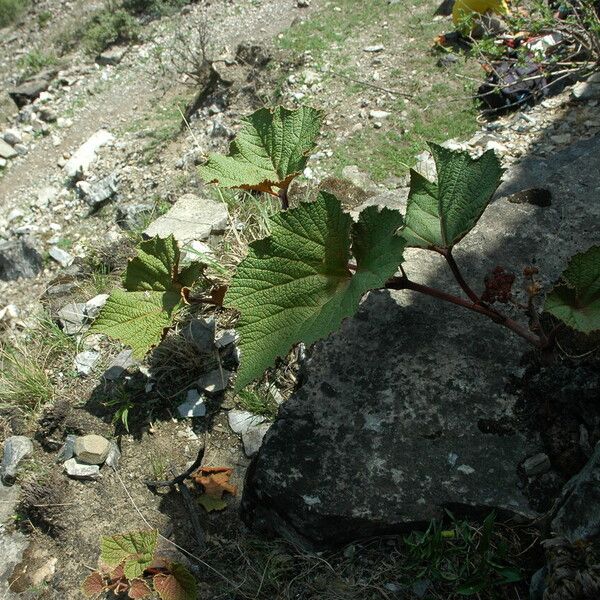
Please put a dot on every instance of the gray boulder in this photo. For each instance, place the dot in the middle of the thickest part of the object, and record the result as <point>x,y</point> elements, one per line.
<point>403,412</point>
<point>190,218</point>
<point>19,258</point>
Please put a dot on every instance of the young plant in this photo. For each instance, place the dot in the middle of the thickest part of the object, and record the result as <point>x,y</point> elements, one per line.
<point>129,566</point>
<point>310,273</point>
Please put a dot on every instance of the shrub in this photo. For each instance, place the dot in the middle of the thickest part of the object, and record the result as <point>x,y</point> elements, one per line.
<point>107,28</point>
<point>10,10</point>
<point>156,8</point>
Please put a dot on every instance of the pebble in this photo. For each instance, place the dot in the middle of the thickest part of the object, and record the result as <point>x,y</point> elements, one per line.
<point>73,317</point>
<point>91,449</point>
<point>16,448</point>
<point>79,470</point>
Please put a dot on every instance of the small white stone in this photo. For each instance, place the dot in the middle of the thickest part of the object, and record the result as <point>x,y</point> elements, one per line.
<point>79,470</point>
<point>374,48</point>
<point>61,256</point>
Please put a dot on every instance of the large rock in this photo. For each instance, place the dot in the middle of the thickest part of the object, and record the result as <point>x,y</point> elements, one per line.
<point>28,91</point>
<point>19,259</point>
<point>404,412</point>
<point>190,218</point>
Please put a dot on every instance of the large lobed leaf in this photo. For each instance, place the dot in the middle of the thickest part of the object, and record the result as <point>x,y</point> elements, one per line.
<point>268,152</point>
<point>295,285</point>
<point>440,214</point>
<point>154,285</point>
<point>576,300</point>
<point>134,550</point>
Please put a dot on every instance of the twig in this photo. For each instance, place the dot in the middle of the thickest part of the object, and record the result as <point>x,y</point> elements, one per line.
<point>192,508</point>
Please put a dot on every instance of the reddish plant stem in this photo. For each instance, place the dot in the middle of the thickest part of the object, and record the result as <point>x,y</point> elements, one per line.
<point>402,283</point>
<point>447,254</point>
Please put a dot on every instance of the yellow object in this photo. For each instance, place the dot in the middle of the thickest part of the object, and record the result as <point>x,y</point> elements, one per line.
<point>463,8</point>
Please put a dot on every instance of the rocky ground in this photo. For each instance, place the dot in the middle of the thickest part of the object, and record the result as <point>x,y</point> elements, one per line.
<point>103,149</point>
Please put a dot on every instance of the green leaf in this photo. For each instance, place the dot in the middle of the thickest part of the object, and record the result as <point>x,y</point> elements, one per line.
<point>295,285</point>
<point>140,315</point>
<point>135,550</point>
<point>440,214</point>
<point>576,300</point>
<point>268,152</point>
<point>179,584</point>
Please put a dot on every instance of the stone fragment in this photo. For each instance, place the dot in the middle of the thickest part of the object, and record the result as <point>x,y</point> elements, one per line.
<point>73,317</point>
<point>252,428</point>
<point>101,191</point>
<point>21,149</point>
<point>16,448</point>
<point>114,456</point>
<point>226,337</point>
<point>123,361</point>
<point>190,218</point>
<point>576,515</point>
<point>194,405</point>
<point>78,470</point>
<point>48,115</point>
<point>536,465</point>
<point>67,450</point>
<point>6,150</point>
<point>91,449</point>
<point>214,381</point>
<point>241,421</point>
<point>252,439</point>
<point>78,165</point>
<point>19,258</point>
<point>62,257</point>
<point>85,362</point>
<point>112,56</point>
<point>201,333</point>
